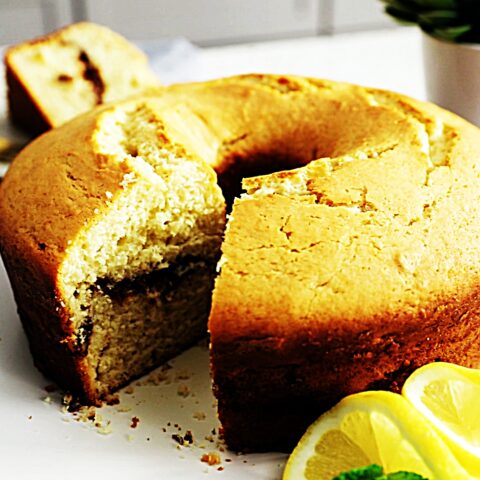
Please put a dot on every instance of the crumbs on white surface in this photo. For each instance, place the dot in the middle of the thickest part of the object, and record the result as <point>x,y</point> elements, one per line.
<point>135,421</point>
<point>183,375</point>
<point>209,438</point>
<point>160,376</point>
<point>172,381</point>
<point>103,427</point>
<point>183,390</point>
<point>199,415</point>
<point>183,440</point>
<point>123,408</point>
<point>211,458</point>
<point>87,415</point>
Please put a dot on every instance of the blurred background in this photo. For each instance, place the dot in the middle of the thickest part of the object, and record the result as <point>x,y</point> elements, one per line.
<point>203,22</point>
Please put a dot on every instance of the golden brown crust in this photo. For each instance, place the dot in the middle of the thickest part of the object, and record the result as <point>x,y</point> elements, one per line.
<point>42,209</point>
<point>288,380</point>
<point>77,179</point>
<point>22,108</point>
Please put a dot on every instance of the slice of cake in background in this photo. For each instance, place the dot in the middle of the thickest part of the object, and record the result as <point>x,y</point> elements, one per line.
<point>55,78</point>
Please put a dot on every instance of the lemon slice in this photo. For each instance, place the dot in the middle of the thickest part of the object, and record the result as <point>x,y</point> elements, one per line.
<point>367,428</point>
<point>449,397</point>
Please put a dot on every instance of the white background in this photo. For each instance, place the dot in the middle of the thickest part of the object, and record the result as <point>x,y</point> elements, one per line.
<point>205,22</point>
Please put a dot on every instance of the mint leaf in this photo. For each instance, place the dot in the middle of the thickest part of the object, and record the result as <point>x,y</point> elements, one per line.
<point>375,472</point>
<point>363,473</point>
<point>404,476</point>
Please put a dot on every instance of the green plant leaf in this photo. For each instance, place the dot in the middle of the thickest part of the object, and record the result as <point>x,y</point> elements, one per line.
<point>451,33</point>
<point>437,4</point>
<point>401,6</point>
<point>452,20</point>
<point>401,15</point>
<point>439,16</point>
<point>422,5</point>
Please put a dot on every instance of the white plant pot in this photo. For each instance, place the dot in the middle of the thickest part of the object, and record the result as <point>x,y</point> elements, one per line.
<point>452,74</point>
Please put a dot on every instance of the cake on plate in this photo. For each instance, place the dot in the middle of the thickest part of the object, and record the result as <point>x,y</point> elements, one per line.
<point>350,258</point>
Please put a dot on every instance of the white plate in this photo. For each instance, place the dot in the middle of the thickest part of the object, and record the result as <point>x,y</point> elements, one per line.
<point>39,440</point>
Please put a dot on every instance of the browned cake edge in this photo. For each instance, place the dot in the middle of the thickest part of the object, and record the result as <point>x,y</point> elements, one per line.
<point>23,109</point>
<point>33,239</point>
<point>270,389</point>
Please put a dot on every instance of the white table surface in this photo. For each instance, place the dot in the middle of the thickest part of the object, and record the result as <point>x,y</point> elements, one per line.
<point>37,440</point>
<point>390,59</point>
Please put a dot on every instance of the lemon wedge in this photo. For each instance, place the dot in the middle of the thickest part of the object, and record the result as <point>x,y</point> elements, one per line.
<point>367,428</point>
<point>449,397</point>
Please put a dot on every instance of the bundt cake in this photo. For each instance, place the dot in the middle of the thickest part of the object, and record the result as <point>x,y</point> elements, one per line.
<point>349,260</point>
<point>55,78</point>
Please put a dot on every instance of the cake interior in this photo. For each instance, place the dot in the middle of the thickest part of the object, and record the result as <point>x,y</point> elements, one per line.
<point>144,321</point>
<point>138,279</point>
<point>79,67</point>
